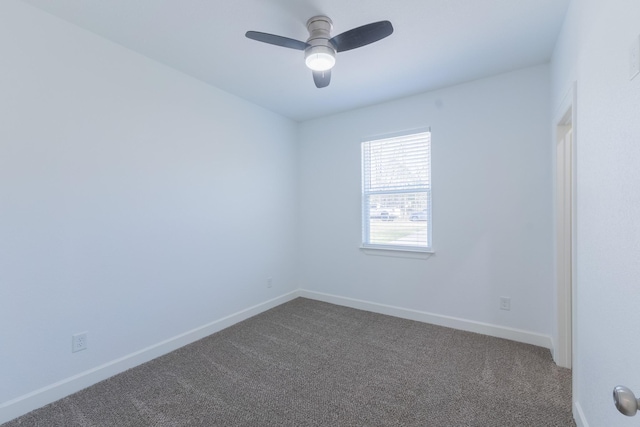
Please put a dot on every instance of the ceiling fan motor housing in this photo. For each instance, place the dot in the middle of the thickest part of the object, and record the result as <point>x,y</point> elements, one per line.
<point>321,54</point>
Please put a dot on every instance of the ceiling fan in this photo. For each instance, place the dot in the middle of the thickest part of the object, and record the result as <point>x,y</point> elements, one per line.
<point>320,48</point>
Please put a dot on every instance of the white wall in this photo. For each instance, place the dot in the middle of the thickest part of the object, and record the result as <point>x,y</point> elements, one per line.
<point>594,51</point>
<point>492,206</point>
<point>136,203</point>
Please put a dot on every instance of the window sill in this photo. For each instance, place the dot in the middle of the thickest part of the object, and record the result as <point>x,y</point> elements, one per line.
<point>398,252</point>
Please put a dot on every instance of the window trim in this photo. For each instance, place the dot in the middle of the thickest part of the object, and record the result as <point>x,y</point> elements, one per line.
<point>421,252</point>
<point>398,252</point>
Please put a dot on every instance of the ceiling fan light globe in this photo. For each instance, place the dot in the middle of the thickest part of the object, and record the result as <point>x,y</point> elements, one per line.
<point>320,58</point>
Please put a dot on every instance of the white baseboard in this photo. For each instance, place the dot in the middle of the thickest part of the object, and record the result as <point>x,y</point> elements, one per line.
<point>578,415</point>
<point>41,397</point>
<point>435,319</point>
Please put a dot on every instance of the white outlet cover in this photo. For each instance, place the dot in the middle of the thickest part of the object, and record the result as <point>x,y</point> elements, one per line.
<point>79,342</point>
<point>634,59</point>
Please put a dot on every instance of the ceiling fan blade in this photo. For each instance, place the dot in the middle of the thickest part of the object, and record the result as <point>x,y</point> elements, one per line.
<point>322,78</point>
<point>362,36</point>
<point>276,40</point>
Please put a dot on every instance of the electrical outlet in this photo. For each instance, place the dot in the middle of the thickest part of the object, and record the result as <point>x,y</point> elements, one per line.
<point>269,282</point>
<point>505,303</point>
<point>79,342</point>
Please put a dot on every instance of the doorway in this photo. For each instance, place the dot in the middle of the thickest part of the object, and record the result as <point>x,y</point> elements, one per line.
<point>565,231</point>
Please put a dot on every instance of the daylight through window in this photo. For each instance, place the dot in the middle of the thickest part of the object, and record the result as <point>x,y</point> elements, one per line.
<point>396,192</point>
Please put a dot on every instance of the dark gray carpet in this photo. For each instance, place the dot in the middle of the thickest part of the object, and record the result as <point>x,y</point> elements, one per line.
<point>308,363</point>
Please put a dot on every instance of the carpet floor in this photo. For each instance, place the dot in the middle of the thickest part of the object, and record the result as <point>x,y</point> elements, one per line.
<point>309,363</point>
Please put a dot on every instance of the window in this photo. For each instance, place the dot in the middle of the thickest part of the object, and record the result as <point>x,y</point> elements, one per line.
<point>396,193</point>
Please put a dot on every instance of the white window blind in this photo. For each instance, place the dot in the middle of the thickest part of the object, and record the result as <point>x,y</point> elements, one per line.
<point>396,192</point>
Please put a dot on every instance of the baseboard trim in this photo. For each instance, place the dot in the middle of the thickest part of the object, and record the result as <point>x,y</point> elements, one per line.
<point>48,394</point>
<point>512,334</point>
<point>578,415</point>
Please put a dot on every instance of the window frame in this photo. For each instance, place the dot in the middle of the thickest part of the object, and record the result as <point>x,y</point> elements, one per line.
<point>395,249</point>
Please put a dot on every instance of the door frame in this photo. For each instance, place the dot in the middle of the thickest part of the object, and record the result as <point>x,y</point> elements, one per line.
<point>566,289</point>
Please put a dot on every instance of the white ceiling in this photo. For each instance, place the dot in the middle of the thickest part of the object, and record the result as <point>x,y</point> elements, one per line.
<point>436,43</point>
